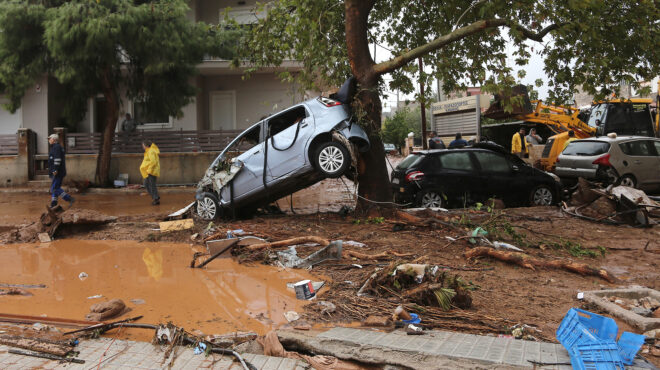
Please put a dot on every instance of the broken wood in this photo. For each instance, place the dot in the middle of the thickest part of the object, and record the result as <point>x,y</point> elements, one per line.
<point>177,225</point>
<point>47,356</point>
<point>24,286</point>
<point>526,261</point>
<point>364,256</point>
<point>289,242</point>
<point>35,344</point>
<point>229,246</point>
<point>102,325</point>
<point>23,319</point>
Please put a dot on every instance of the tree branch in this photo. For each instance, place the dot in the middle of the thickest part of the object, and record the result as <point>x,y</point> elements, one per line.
<point>458,34</point>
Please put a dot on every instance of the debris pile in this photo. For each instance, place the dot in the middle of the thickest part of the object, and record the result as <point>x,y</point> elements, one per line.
<point>646,306</point>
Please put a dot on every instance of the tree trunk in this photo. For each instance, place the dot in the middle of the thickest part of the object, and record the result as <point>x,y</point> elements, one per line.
<point>105,152</point>
<point>373,179</point>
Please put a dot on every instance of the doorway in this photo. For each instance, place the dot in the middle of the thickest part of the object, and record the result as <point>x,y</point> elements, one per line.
<point>222,110</point>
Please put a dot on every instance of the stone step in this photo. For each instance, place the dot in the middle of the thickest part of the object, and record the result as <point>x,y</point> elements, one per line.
<point>39,184</point>
<point>41,178</point>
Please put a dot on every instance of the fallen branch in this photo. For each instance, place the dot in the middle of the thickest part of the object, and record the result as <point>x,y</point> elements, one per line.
<point>290,242</point>
<point>526,261</point>
<point>364,256</point>
<point>35,344</point>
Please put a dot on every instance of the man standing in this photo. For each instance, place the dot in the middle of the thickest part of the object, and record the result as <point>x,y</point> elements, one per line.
<point>128,125</point>
<point>518,146</point>
<point>150,169</point>
<point>57,171</point>
<point>533,138</point>
<point>458,142</point>
<point>435,142</point>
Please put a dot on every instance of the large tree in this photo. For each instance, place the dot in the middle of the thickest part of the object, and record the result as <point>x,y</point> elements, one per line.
<point>595,44</point>
<point>147,49</point>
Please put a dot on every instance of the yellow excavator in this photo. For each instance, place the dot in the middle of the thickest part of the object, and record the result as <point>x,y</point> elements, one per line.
<point>623,116</point>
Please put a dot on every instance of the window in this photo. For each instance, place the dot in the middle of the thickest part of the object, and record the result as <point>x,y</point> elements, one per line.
<point>150,119</point>
<point>409,161</point>
<point>492,162</point>
<point>657,147</point>
<point>643,148</point>
<point>285,120</point>
<point>248,139</point>
<point>586,148</point>
<point>456,161</point>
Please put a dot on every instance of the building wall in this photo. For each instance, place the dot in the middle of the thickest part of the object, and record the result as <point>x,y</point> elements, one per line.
<point>35,113</point>
<point>13,170</point>
<point>209,11</point>
<point>9,123</point>
<point>258,96</point>
<point>175,168</point>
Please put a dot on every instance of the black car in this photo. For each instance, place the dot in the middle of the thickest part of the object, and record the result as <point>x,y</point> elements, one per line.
<point>461,177</point>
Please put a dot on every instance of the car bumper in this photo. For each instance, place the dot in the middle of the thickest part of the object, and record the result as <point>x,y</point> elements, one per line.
<point>403,194</point>
<point>566,172</point>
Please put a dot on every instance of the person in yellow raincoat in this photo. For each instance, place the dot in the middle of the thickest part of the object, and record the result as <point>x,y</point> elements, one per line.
<point>150,169</point>
<point>518,144</point>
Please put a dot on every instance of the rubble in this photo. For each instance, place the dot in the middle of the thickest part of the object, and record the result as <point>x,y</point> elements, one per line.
<point>106,310</point>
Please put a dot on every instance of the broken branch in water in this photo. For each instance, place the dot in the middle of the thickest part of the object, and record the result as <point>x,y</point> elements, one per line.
<point>290,242</point>
<point>526,261</point>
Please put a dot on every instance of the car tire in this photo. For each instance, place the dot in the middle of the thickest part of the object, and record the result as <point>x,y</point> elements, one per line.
<point>332,159</point>
<point>628,180</point>
<point>207,208</point>
<point>430,199</point>
<point>542,195</point>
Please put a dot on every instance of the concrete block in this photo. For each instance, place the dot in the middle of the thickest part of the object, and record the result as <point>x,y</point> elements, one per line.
<point>640,322</point>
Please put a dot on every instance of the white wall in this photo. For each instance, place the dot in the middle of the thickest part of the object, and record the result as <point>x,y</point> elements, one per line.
<point>35,113</point>
<point>9,123</point>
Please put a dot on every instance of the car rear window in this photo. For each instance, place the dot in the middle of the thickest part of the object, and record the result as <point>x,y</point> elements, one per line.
<point>409,161</point>
<point>586,148</point>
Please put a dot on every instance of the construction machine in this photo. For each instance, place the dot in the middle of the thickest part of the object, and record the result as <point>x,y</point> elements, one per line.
<point>622,116</point>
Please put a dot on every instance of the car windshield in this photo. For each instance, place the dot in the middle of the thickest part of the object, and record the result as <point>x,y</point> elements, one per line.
<point>586,148</point>
<point>598,113</point>
<point>409,161</point>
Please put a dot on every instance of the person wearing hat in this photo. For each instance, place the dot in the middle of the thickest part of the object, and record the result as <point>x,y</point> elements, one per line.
<point>150,169</point>
<point>57,171</point>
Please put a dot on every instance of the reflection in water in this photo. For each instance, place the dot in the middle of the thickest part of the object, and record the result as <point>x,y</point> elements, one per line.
<point>220,298</point>
<point>154,262</point>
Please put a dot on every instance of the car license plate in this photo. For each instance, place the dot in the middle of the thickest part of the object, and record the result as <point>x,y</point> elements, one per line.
<point>395,181</point>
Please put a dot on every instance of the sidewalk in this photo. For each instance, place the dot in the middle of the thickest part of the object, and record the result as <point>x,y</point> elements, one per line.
<point>142,355</point>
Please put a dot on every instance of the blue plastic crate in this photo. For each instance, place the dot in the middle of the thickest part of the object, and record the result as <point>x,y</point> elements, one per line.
<point>584,327</point>
<point>602,355</point>
<point>629,344</point>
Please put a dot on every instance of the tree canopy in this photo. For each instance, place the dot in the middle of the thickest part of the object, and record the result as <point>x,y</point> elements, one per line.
<point>145,50</point>
<point>405,120</point>
<point>592,44</point>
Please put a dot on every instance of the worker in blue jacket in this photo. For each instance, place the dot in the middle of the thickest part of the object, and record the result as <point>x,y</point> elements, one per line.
<point>57,171</point>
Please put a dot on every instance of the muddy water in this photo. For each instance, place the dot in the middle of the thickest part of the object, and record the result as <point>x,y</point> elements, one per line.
<point>223,297</point>
<point>18,208</point>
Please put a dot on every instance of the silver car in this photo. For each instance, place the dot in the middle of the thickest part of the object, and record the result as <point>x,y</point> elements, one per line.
<point>629,160</point>
<point>280,155</point>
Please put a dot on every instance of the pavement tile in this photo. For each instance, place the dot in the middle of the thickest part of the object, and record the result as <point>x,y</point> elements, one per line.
<point>372,337</point>
<point>258,361</point>
<point>497,350</point>
<point>418,342</point>
<point>288,364</point>
<point>432,345</point>
<point>402,343</point>
<point>387,340</point>
<point>272,363</point>
<point>480,348</point>
<point>465,346</point>
<point>532,351</point>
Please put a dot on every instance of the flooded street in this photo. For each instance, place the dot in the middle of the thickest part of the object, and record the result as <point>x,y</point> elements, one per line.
<point>153,279</point>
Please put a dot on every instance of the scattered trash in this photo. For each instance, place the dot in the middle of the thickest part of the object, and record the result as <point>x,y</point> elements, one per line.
<point>106,310</point>
<point>137,301</point>
<point>44,238</point>
<point>304,289</point>
<point>82,276</point>
<point>414,319</point>
<point>324,307</point>
<point>590,338</point>
<point>95,296</point>
<point>352,243</point>
<point>499,245</point>
<point>177,225</point>
<point>356,265</point>
<point>230,340</point>
<point>194,236</point>
<point>580,295</point>
<point>417,269</point>
<point>181,211</point>
<point>15,291</point>
<point>476,235</point>
<point>289,258</point>
<point>522,331</point>
<point>291,316</point>
<point>414,330</point>
<point>200,348</point>
<point>400,313</point>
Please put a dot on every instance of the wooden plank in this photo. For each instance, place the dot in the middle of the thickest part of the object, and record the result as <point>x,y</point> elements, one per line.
<point>176,225</point>
<point>36,345</point>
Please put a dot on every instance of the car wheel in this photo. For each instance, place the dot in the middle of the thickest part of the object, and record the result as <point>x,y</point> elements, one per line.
<point>332,159</point>
<point>628,180</point>
<point>207,207</point>
<point>430,199</point>
<point>542,195</point>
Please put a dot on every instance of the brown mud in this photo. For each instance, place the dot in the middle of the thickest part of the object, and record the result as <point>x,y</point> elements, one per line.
<point>154,280</point>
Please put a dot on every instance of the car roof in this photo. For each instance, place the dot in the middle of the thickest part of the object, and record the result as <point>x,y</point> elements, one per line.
<point>468,149</point>
<point>617,139</point>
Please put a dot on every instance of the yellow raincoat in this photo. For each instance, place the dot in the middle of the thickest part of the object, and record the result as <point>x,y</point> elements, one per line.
<point>150,164</point>
<point>516,144</point>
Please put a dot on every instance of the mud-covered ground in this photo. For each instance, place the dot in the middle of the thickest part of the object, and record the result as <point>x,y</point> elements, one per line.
<point>509,293</point>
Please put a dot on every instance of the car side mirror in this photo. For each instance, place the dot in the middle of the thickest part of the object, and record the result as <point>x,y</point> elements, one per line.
<point>515,168</point>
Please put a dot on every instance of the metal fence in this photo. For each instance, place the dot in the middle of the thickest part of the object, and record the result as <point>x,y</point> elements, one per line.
<point>9,144</point>
<point>167,141</point>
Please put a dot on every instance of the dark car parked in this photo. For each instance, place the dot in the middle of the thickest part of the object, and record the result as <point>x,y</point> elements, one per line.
<point>459,177</point>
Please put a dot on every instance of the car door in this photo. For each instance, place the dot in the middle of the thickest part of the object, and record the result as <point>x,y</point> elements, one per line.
<point>641,161</point>
<point>459,176</point>
<point>288,134</point>
<point>497,177</point>
<point>250,178</point>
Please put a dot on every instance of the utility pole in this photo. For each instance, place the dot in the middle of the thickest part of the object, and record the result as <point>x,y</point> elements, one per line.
<point>425,145</point>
